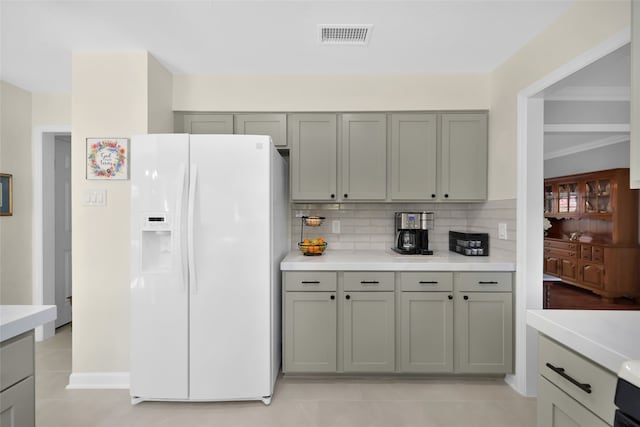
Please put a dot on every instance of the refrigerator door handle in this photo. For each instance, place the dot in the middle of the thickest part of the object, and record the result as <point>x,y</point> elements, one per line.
<point>180,204</point>
<point>190,225</point>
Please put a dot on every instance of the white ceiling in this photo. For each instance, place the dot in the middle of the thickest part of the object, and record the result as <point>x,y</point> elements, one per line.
<point>266,37</point>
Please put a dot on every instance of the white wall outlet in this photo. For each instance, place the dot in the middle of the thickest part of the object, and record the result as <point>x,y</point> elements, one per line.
<point>502,231</point>
<point>94,197</point>
<point>335,226</point>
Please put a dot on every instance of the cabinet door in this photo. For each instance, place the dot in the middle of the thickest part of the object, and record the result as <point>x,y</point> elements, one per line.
<point>568,269</point>
<point>551,265</point>
<point>364,157</point>
<point>464,157</point>
<point>427,332</point>
<point>313,143</point>
<point>484,332</point>
<point>18,405</point>
<point>274,125</point>
<point>369,332</point>
<point>310,332</point>
<point>557,409</point>
<point>208,123</point>
<point>413,156</point>
<point>592,275</point>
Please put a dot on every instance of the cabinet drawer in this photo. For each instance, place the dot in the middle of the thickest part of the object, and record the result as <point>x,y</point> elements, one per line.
<point>16,359</point>
<point>369,281</point>
<point>562,253</point>
<point>601,382</point>
<point>310,281</point>
<point>426,281</point>
<point>597,254</point>
<point>568,246</point>
<point>484,282</point>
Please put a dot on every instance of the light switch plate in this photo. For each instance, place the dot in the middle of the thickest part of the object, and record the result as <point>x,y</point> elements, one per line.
<point>335,226</point>
<point>502,231</point>
<point>94,197</point>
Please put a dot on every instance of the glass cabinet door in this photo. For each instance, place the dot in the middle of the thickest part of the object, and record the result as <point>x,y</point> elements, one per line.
<point>568,197</point>
<point>548,198</point>
<point>598,196</point>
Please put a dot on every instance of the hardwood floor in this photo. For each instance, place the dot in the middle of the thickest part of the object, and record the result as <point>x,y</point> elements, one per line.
<point>560,295</point>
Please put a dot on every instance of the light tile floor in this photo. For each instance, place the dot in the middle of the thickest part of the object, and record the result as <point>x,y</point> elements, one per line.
<point>299,402</point>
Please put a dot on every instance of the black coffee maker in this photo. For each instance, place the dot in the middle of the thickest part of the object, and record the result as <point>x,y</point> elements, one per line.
<point>412,233</point>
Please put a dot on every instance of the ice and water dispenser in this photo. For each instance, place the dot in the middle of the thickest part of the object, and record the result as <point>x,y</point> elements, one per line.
<point>157,247</point>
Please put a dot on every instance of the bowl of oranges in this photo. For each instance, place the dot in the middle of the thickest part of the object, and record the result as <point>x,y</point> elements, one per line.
<point>313,247</point>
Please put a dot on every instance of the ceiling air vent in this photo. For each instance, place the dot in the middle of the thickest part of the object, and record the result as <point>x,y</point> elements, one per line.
<point>344,34</point>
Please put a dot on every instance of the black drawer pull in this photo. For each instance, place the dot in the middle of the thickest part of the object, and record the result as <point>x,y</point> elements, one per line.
<point>560,371</point>
<point>348,297</point>
<point>369,282</point>
<point>491,282</point>
<point>428,282</point>
<point>310,282</point>
<point>450,296</point>
<point>333,297</point>
<point>466,297</point>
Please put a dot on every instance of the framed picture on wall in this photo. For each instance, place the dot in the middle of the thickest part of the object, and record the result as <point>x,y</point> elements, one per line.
<point>6,194</point>
<point>108,158</point>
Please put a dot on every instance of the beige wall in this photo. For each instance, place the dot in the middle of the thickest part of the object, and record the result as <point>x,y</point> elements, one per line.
<point>330,92</point>
<point>160,97</point>
<point>110,98</point>
<point>582,27</point>
<point>15,231</point>
<point>51,109</point>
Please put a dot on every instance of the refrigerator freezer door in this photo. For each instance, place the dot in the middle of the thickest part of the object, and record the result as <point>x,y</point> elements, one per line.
<point>230,308</point>
<point>159,295</point>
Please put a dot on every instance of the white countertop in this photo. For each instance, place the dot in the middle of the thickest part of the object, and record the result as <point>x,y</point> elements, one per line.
<point>16,319</point>
<point>387,260</point>
<point>608,337</point>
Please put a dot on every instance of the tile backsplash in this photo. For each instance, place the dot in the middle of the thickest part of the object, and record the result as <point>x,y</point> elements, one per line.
<point>370,226</point>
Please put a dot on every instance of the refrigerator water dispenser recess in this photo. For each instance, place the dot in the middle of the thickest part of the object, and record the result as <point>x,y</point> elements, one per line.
<point>156,244</point>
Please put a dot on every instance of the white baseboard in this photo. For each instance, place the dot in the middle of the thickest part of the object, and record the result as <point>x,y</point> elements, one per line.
<point>98,380</point>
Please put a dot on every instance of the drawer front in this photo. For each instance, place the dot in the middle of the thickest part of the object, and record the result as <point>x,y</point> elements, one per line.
<point>369,281</point>
<point>426,281</point>
<point>553,358</point>
<point>483,282</point>
<point>567,246</point>
<point>597,254</point>
<point>585,252</point>
<point>16,359</point>
<point>310,281</point>
<point>562,253</point>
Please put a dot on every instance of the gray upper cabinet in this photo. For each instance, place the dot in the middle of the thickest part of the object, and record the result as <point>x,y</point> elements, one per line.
<point>364,157</point>
<point>464,147</point>
<point>414,157</point>
<point>426,332</point>
<point>208,123</point>
<point>313,149</point>
<point>274,125</point>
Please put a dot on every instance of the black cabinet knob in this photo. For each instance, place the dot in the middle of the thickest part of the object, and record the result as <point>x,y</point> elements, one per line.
<point>346,196</point>
<point>446,196</point>
<point>348,297</point>
<point>333,196</point>
<point>466,297</point>
<point>450,297</point>
<point>333,297</point>
<point>433,196</point>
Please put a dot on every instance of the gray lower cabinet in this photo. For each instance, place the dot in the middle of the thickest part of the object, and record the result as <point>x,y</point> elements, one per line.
<point>414,156</point>
<point>310,332</point>
<point>463,156</point>
<point>274,125</point>
<point>483,322</point>
<point>313,143</point>
<point>557,409</point>
<point>369,332</point>
<point>17,395</point>
<point>208,123</point>
<point>364,157</point>
<point>426,332</point>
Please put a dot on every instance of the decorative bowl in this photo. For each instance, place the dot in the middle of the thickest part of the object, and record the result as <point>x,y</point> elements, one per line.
<point>312,248</point>
<point>314,221</point>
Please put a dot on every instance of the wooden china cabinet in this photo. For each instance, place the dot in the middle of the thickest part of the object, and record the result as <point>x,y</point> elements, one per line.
<point>593,240</point>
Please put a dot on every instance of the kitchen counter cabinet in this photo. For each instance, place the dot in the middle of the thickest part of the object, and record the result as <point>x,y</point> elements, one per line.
<point>557,409</point>
<point>483,323</point>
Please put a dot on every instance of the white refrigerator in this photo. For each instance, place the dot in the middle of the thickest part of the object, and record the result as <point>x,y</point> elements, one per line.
<point>208,231</point>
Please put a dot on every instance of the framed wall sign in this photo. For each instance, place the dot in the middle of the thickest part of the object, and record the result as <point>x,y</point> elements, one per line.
<point>107,158</point>
<point>6,194</point>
